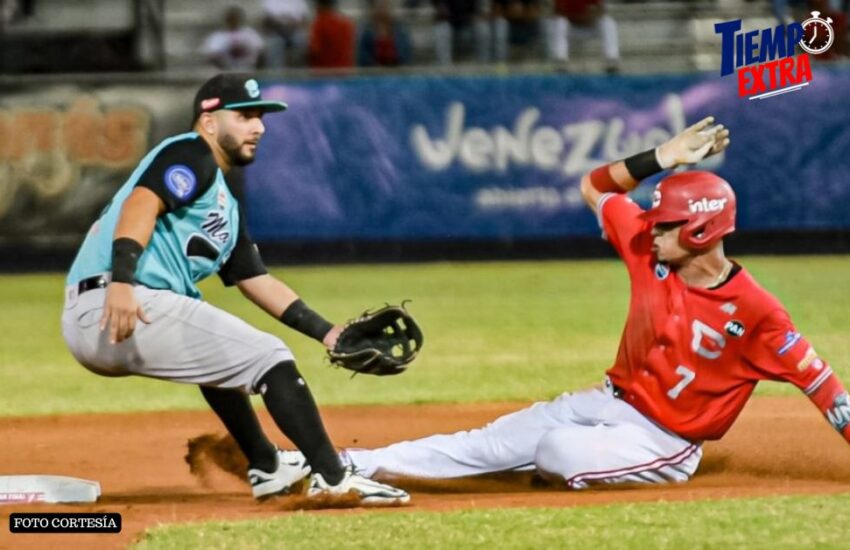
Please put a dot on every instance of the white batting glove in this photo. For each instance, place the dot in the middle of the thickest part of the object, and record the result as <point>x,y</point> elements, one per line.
<point>693,144</point>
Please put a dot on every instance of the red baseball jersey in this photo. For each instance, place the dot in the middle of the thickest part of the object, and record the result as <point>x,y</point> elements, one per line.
<point>689,358</point>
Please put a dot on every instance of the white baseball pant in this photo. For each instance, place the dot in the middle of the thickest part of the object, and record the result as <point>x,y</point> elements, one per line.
<point>583,438</point>
<point>188,341</point>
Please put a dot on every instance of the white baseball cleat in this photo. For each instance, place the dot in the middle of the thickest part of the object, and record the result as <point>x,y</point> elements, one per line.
<point>367,490</point>
<point>292,467</point>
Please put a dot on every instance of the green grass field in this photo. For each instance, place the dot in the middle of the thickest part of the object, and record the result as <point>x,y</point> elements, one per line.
<point>494,332</point>
<point>781,522</point>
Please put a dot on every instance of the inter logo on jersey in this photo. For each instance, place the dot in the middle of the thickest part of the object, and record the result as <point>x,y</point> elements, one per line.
<point>181,181</point>
<point>735,328</point>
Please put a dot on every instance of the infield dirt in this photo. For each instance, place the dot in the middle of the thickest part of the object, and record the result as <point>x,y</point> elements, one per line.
<point>780,445</point>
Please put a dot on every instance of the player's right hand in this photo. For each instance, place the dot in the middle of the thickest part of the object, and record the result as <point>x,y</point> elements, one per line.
<point>332,336</point>
<point>120,311</point>
<point>693,144</point>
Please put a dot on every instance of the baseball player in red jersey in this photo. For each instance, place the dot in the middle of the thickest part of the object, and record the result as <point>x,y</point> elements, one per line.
<point>700,334</point>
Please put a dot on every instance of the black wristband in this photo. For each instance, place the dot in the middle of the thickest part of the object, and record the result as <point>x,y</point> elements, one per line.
<point>306,321</point>
<point>125,256</point>
<point>643,165</point>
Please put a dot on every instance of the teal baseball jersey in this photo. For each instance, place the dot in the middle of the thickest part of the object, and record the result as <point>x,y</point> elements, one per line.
<point>200,230</point>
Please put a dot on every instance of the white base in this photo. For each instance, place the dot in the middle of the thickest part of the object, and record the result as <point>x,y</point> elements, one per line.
<point>24,489</point>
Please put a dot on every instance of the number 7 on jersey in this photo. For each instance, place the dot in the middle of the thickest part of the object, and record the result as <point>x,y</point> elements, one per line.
<point>687,377</point>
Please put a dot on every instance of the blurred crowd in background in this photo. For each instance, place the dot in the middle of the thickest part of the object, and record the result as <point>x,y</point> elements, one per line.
<point>280,34</point>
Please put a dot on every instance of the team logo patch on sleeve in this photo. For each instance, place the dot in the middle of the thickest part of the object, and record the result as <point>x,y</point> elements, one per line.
<point>181,181</point>
<point>810,359</point>
<point>661,271</point>
<point>791,338</point>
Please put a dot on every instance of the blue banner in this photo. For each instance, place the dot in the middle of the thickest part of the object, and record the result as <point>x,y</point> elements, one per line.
<point>501,157</point>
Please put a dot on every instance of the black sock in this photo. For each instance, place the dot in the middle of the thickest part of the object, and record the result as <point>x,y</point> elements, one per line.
<point>234,409</point>
<point>292,407</point>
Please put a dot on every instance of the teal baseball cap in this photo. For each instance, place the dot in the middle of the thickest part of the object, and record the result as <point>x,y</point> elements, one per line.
<point>232,91</point>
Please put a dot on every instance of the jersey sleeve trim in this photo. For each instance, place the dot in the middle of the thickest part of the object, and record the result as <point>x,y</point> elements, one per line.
<point>245,261</point>
<point>818,382</point>
<point>600,204</point>
<point>180,172</point>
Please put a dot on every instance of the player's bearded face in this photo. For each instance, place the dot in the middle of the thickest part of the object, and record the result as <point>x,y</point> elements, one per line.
<point>665,243</point>
<point>240,135</point>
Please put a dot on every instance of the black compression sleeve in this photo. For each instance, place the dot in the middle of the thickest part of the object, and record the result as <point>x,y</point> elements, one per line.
<point>643,165</point>
<point>125,257</point>
<point>306,321</point>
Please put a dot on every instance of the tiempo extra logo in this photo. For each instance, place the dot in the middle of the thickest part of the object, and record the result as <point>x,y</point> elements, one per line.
<point>765,60</point>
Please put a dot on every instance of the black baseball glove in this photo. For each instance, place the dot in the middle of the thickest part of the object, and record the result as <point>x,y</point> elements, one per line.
<point>380,342</point>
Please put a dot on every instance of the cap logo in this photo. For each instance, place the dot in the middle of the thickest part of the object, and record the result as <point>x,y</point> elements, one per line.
<point>180,180</point>
<point>252,88</point>
<point>656,198</point>
<point>706,205</point>
<point>210,103</point>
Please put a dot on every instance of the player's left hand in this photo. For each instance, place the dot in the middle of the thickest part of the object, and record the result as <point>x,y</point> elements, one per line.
<point>694,143</point>
<point>380,342</point>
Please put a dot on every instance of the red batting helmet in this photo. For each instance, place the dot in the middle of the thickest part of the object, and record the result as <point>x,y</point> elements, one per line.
<point>704,201</point>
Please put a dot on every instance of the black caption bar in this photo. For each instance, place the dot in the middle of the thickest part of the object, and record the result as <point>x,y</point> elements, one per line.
<point>65,523</point>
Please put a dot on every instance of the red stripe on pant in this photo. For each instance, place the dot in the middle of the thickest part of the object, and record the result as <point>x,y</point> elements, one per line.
<point>658,463</point>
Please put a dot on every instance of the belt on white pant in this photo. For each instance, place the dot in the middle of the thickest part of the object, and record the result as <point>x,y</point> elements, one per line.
<point>615,390</point>
<point>72,292</point>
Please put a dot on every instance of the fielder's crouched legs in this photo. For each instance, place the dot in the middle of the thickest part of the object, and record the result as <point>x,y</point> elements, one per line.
<point>234,409</point>
<point>271,471</point>
<point>293,409</point>
<point>290,403</point>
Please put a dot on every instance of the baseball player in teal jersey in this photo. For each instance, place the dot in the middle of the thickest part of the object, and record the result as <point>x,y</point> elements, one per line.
<point>173,223</point>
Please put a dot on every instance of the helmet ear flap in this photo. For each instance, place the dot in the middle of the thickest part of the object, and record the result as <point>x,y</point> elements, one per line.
<point>693,238</point>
